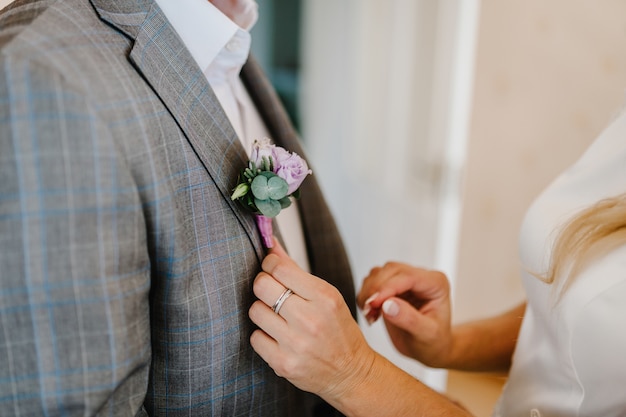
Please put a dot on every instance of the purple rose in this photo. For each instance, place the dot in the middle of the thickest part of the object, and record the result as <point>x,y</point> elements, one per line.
<point>291,168</point>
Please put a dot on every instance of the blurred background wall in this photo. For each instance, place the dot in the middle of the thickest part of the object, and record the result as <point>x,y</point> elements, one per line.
<point>385,103</point>
<point>432,124</point>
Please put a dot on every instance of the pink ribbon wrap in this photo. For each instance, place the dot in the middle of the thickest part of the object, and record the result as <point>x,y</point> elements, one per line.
<point>265,227</point>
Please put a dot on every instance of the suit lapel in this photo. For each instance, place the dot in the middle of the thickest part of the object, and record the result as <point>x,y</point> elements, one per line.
<point>160,56</point>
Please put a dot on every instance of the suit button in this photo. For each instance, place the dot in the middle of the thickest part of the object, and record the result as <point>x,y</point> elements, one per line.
<point>535,413</point>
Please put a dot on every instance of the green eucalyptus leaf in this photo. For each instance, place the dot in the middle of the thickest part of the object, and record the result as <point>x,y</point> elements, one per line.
<point>285,202</point>
<point>259,187</point>
<point>268,208</point>
<point>268,185</point>
<point>278,188</point>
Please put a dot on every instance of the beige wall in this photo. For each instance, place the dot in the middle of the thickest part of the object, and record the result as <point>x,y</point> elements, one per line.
<point>549,76</point>
<point>3,3</point>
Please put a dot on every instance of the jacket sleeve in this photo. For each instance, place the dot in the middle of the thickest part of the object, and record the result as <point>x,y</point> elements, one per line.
<point>74,268</point>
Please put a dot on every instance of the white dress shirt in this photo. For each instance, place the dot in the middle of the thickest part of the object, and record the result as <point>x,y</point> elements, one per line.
<point>221,48</point>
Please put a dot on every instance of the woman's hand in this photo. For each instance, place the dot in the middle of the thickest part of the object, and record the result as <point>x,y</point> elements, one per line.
<point>311,339</point>
<point>415,304</point>
<point>314,341</point>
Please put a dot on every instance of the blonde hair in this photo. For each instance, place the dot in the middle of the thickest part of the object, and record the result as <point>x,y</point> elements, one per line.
<point>592,232</point>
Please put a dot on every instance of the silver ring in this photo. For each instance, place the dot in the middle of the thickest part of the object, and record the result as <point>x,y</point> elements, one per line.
<point>281,300</point>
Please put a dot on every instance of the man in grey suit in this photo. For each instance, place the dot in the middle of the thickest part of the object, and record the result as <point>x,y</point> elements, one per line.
<point>125,268</point>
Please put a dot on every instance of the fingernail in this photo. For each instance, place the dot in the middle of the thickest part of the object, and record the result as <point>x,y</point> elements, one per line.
<point>371,317</point>
<point>367,309</point>
<point>391,308</point>
<point>372,298</point>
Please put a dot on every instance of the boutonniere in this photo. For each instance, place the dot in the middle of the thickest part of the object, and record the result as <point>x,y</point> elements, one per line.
<point>266,186</point>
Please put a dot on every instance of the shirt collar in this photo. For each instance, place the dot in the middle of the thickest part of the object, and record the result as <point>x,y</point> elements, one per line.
<point>203,28</point>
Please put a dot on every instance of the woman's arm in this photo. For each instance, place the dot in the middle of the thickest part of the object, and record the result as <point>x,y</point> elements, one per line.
<point>388,391</point>
<point>488,344</point>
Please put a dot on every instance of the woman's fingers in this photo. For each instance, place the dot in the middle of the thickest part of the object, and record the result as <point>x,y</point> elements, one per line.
<point>290,275</point>
<point>395,279</point>
<point>422,289</point>
<point>276,296</point>
<point>382,283</point>
<point>279,250</point>
<point>263,316</point>
<point>268,290</point>
<point>405,316</point>
<point>267,348</point>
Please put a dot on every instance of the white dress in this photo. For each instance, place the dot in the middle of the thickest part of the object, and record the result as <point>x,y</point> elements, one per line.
<point>570,358</point>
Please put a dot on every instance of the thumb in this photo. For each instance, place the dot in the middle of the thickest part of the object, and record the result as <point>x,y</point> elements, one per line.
<point>402,314</point>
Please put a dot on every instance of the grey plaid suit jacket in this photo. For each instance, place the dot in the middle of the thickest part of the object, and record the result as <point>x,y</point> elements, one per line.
<point>125,269</point>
